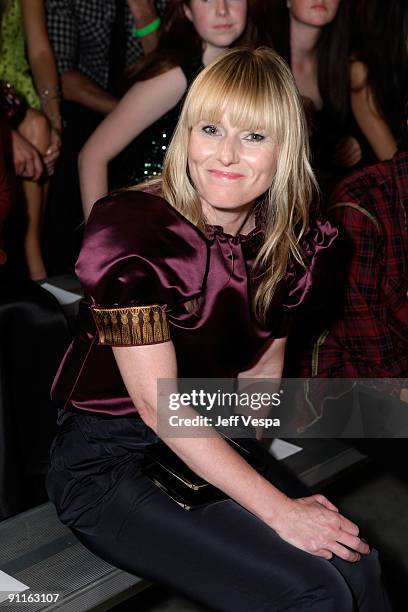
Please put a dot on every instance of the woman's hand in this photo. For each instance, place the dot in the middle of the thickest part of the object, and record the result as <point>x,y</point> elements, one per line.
<point>315,525</point>
<point>53,151</point>
<point>348,152</point>
<point>26,158</point>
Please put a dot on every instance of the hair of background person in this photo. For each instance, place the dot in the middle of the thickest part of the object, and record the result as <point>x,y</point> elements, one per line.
<point>273,21</point>
<point>178,41</point>
<point>380,39</point>
<point>257,91</point>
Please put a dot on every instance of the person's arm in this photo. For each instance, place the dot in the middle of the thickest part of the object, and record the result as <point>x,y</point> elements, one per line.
<point>44,70</point>
<point>312,524</point>
<point>64,36</point>
<point>367,115</point>
<point>267,366</point>
<point>41,59</point>
<point>269,361</point>
<point>144,13</point>
<point>143,104</point>
<point>79,87</point>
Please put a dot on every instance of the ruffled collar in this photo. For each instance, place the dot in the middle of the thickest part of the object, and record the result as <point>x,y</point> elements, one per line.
<point>212,231</point>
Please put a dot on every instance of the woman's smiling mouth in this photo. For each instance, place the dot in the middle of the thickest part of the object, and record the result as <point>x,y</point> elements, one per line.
<point>225,175</point>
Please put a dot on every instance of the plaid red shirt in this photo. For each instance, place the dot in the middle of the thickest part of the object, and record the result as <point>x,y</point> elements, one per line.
<point>369,339</point>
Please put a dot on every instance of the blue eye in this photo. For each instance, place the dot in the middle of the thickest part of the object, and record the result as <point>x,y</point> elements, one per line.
<point>211,130</point>
<point>254,137</point>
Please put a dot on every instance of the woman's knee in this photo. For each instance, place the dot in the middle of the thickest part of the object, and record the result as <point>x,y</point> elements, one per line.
<point>365,580</point>
<point>369,567</point>
<point>322,589</point>
<point>36,129</point>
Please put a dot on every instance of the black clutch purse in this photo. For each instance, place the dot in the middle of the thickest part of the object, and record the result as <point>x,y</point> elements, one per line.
<point>178,481</point>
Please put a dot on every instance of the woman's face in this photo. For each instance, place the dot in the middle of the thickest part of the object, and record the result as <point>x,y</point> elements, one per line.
<point>218,22</point>
<point>230,167</point>
<point>317,13</point>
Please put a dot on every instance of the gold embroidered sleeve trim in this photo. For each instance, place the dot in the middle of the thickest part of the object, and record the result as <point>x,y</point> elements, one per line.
<point>132,326</point>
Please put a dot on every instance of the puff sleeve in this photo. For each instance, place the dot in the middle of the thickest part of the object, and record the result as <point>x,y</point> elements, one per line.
<point>140,259</point>
<point>309,288</point>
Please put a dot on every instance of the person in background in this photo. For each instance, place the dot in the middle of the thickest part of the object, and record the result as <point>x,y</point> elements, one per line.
<point>93,42</point>
<point>313,38</point>
<point>379,76</point>
<point>82,36</point>
<point>368,338</point>
<point>23,27</point>
<point>193,34</point>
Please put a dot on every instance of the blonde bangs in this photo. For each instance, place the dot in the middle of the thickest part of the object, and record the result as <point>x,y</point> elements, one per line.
<point>224,91</point>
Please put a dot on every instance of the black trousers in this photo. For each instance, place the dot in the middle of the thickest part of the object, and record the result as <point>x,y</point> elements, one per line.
<point>220,555</point>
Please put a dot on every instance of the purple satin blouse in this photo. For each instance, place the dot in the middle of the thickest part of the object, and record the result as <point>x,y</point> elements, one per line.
<point>138,250</point>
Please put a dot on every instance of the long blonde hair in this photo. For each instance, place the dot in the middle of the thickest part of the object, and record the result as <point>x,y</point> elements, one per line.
<point>256,90</point>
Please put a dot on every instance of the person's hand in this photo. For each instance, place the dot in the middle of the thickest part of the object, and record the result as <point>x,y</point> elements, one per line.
<point>27,160</point>
<point>53,151</point>
<point>348,152</point>
<point>315,525</point>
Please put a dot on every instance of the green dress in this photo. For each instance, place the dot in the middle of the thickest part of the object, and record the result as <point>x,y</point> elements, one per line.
<point>13,62</point>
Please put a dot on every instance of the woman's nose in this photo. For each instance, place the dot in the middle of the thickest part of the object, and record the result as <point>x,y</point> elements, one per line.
<point>221,7</point>
<point>228,151</point>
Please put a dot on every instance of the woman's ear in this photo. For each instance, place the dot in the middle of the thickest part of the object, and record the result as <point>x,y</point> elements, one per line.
<point>187,12</point>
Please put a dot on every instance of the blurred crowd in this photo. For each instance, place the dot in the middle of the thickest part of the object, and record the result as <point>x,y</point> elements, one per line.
<point>101,82</point>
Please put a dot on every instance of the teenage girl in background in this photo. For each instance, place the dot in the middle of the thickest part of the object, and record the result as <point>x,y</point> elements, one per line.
<point>379,76</point>
<point>312,36</point>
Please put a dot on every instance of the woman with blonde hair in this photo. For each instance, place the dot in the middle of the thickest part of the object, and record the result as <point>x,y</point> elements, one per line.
<point>194,276</point>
